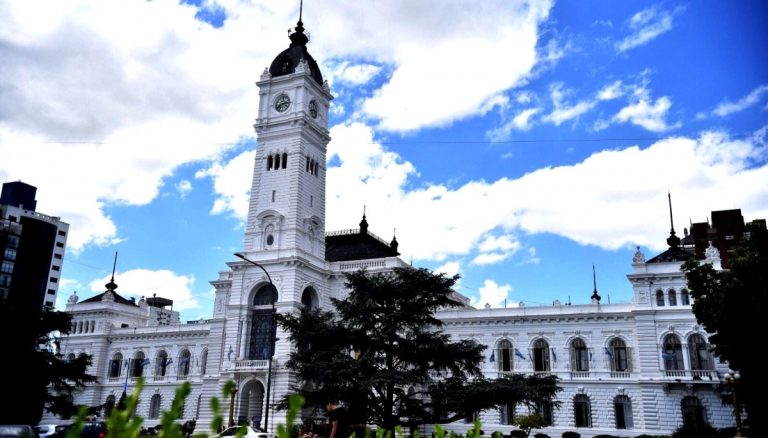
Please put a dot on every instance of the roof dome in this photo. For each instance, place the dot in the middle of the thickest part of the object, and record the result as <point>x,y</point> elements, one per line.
<point>286,62</point>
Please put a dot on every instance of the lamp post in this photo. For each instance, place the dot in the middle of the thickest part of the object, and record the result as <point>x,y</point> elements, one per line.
<point>733,379</point>
<point>271,340</point>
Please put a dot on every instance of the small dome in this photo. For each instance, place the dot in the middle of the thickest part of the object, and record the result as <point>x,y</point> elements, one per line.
<point>286,62</point>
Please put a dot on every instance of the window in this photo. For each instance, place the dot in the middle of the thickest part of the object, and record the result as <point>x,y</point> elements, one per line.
<point>57,256</point>
<point>49,304</point>
<point>660,298</point>
<point>51,292</point>
<point>507,414</point>
<point>263,297</point>
<point>285,160</point>
<point>5,280</point>
<point>693,413</point>
<point>579,355</point>
<point>311,200</point>
<point>308,298</point>
<point>12,218</point>
<point>469,419</point>
<point>13,242</point>
<point>277,161</point>
<point>317,169</point>
<point>698,352</point>
<point>622,407</point>
<point>109,405</point>
<point>540,355</point>
<point>545,410</point>
<point>618,354</point>
<point>582,412</point>
<point>685,299</point>
<point>307,167</point>
<point>62,233</point>
<point>154,407</point>
<point>672,353</point>
<point>56,268</point>
<point>269,162</point>
<point>10,254</point>
<point>53,280</point>
<point>60,244</point>
<point>161,363</point>
<point>115,365</point>
<point>138,365</point>
<point>672,297</point>
<point>184,359</point>
<point>505,356</point>
<point>7,268</point>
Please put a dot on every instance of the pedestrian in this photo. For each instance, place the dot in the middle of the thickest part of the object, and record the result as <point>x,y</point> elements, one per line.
<point>338,421</point>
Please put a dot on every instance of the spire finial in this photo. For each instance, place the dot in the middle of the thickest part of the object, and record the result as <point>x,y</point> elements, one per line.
<point>114,265</point>
<point>111,286</point>
<point>301,9</point>
<point>673,241</point>
<point>363,223</point>
<point>595,296</point>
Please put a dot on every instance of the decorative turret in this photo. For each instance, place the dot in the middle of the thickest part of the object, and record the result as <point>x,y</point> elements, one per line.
<point>363,224</point>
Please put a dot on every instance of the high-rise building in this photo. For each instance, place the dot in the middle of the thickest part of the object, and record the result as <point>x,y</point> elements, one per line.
<point>31,249</point>
<point>725,231</point>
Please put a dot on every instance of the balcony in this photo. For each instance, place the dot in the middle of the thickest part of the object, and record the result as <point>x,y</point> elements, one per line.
<point>252,365</point>
<point>691,374</point>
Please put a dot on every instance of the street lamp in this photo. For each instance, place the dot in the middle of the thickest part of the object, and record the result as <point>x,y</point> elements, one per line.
<point>271,340</point>
<point>733,378</point>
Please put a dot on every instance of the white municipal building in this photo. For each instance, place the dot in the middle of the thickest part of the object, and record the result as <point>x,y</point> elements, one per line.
<point>628,369</point>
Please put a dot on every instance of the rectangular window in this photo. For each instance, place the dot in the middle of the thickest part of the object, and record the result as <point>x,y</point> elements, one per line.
<point>274,192</point>
<point>62,233</point>
<point>13,241</point>
<point>7,267</point>
<point>51,292</point>
<point>57,256</point>
<point>10,254</point>
<point>12,218</point>
<point>49,304</point>
<point>5,280</point>
<point>60,244</point>
<point>56,268</point>
<point>53,280</point>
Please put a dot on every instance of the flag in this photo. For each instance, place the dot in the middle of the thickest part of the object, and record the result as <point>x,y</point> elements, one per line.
<point>608,352</point>
<point>554,356</point>
<point>170,361</point>
<point>590,355</point>
<point>667,356</point>
<point>493,357</point>
<point>519,354</point>
<point>145,362</point>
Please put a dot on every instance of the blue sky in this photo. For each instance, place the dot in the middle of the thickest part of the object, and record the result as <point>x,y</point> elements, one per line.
<point>515,143</point>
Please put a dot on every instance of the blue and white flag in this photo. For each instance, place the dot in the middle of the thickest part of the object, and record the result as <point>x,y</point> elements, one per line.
<point>554,356</point>
<point>170,361</point>
<point>493,356</point>
<point>608,352</point>
<point>145,363</point>
<point>519,354</point>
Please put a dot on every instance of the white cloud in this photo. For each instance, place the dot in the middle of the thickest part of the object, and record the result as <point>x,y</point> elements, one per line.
<point>144,282</point>
<point>184,187</point>
<point>506,242</point>
<point>563,112</point>
<point>449,268</point>
<point>354,74</point>
<point>230,184</point>
<point>754,96</point>
<point>493,294</point>
<point>532,257</point>
<point>610,91</point>
<point>646,25</point>
<point>490,258</point>
<point>645,114</point>
<point>521,122</point>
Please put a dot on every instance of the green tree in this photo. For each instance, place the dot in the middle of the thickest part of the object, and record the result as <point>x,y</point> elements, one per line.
<point>384,353</point>
<point>36,376</point>
<point>731,304</point>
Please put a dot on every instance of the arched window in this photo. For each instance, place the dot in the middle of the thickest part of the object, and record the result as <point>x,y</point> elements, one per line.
<point>109,405</point>
<point>307,166</point>
<point>544,409</point>
<point>540,355</point>
<point>269,162</point>
<point>622,407</point>
<point>698,352</point>
<point>685,299</point>
<point>579,355</point>
<point>277,161</point>
<point>93,326</point>
<point>507,414</point>
<point>184,359</point>
<point>672,297</point>
<point>309,298</point>
<point>672,353</point>
<point>317,169</point>
<point>154,407</point>
<point>582,411</point>
<point>693,413</point>
<point>161,363</point>
<point>138,364</point>
<point>116,365</point>
<point>203,362</point>
<point>660,298</point>
<point>80,326</point>
<point>619,355</point>
<point>504,352</point>
<point>285,160</point>
<point>263,297</point>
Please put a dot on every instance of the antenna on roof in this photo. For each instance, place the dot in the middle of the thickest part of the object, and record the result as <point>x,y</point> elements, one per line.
<point>301,7</point>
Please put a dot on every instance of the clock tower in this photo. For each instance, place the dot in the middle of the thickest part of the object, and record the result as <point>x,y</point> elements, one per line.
<point>286,216</point>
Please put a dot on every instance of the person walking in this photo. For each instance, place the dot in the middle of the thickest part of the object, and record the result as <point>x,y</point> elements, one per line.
<point>338,421</point>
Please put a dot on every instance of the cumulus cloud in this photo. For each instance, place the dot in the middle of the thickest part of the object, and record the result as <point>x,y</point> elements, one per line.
<point>492,294</point>
<point>610,91</point>
<point>230,183</point>
<point>563,112</point>
<point>184,187</point>
<point>754,96</point>
<point>648,115</point>
<point>522,121</point>
<point>354,74</point>
<point>646,26</point>
<point>143,282</point>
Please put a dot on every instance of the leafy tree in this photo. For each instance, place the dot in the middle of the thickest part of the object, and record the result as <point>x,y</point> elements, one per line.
<point>37,376</point>
<point>732,304</point>
<point>383,353</point>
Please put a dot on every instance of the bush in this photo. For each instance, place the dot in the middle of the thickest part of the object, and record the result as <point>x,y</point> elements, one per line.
<point>518,434</point>
<point>541,435</point>
<point>695,431</point>
<point>497,434</point>
<point>571,434</point>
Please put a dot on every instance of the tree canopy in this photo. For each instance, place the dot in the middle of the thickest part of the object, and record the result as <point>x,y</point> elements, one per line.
<point>732,304</point>
<point>383,352</point>
<point>37,376</point>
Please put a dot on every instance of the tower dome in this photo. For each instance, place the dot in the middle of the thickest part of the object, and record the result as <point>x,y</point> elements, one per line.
<point>286,62</point>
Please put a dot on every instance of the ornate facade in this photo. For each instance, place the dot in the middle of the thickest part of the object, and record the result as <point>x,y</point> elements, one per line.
<point>639,367</point>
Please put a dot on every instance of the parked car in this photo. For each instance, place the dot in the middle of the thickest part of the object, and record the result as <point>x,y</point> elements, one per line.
<point>94,430</point>
<point>16,430</point>
<point>45,430</point>
<point>250,433</point>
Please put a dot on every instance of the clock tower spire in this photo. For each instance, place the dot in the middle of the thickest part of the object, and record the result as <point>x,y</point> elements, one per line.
<point>286,215</point>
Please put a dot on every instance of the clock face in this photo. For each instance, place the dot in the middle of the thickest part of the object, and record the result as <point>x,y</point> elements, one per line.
<point>313,108</point>
<point>282,103</point>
